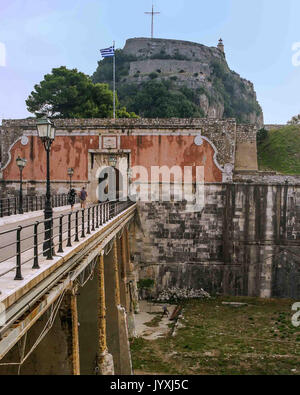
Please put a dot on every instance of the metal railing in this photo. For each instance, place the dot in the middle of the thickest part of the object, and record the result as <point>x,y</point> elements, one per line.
<point>10,206</point>
<point>25,244</point>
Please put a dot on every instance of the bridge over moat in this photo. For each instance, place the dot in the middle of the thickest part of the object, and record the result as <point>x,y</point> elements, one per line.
<point>69,310</point>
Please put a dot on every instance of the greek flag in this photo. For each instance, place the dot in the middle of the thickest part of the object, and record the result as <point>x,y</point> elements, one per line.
<point>107,52</point>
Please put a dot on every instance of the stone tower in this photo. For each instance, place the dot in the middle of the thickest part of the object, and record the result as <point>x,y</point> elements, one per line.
<point>221,46</point>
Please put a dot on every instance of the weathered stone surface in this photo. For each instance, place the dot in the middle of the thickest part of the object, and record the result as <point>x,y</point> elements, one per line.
<point>265,177</point>
<point>243,243</point>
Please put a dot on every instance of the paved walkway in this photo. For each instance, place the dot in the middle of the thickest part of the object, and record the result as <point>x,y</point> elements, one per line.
<point>30,217</point>
<point>9,286</point>
<point>7,241</point>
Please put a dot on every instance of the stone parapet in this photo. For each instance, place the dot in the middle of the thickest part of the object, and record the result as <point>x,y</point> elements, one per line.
<point>170,123</point>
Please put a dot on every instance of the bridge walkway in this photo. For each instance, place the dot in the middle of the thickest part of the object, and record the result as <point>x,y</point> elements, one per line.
<point>75,243</point>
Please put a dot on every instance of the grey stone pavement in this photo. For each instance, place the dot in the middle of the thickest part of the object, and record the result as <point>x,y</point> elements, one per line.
<point>8,240</point>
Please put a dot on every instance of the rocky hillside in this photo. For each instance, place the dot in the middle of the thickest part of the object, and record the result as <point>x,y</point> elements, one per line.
<point>190,72</point>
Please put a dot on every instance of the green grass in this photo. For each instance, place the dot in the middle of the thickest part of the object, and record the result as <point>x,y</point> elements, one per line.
<point>281,151</point>
<point>220,339</point>
<point>155,321</point>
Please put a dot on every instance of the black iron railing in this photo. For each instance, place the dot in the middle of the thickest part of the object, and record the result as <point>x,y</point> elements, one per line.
<point>11,206</point>
<point>26,244</point>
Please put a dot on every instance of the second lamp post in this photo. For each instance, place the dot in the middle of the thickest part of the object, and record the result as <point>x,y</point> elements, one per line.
<point>46,131</point>
<point>70,174</point>
<point>21,163</point>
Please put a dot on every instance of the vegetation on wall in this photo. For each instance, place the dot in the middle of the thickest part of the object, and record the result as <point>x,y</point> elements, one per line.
<point>163,55</point>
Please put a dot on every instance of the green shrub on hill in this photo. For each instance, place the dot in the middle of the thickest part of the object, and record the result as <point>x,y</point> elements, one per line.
<point>160,99</point>
<point>231,90</point>
<point>104,71</point>
<point>280,150</point>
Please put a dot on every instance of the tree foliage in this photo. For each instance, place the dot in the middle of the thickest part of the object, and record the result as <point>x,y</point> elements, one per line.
<point>160,99</point>
<point>104,72</point>
<point>262,135</point>
<point>71,94</point>
<point>232,91</point>
<point>295,120</point>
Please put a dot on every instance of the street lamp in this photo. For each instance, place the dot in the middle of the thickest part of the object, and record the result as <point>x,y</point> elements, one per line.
<point>70,174</point>
<point>21,163</point>
<point>46,131</point>
<point>112,161</point>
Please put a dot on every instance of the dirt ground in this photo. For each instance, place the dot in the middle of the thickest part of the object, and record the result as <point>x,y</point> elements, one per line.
<point>150,322</point>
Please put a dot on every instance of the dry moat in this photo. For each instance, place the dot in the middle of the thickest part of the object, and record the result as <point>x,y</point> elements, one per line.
<point>219,338</point>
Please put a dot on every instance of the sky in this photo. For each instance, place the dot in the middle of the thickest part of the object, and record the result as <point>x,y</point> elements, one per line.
<point>261,38</point>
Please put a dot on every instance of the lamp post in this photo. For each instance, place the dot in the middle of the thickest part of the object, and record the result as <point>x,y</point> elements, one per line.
<point>113,182</point>
<point>21,163</point>
<point>70,174</point>
<point>46,131</point>
<point>112,161</point>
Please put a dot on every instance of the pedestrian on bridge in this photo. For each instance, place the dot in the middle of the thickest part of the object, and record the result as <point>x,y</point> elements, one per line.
<point>82,196</point>
<point>72,197</point>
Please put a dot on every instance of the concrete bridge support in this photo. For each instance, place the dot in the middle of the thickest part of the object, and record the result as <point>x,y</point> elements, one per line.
<point>116,318</point>
<point>105,361</point>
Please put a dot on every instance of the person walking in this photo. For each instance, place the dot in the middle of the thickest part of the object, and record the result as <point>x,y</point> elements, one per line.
<point>72,197</point>
<point>82,196</point>
<point>165,311</point>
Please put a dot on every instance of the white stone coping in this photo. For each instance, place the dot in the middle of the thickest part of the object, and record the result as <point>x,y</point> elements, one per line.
<point>11,219</point>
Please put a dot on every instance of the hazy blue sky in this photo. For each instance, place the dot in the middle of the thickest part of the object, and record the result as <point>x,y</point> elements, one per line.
<point>37,35</point>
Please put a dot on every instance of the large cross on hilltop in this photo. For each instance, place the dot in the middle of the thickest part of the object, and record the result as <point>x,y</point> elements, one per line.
<point>152,19</point>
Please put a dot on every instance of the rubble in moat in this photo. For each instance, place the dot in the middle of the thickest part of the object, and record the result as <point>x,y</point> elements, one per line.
<point>176,294</point>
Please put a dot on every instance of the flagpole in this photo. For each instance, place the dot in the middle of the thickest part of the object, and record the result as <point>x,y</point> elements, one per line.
<point>114,80</point>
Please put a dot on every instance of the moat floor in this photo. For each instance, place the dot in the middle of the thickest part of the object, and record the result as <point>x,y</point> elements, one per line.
<point>219,338</point>
<point>150,322</point>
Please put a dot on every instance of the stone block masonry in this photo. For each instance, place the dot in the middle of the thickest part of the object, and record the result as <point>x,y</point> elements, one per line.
<point>244,242</point>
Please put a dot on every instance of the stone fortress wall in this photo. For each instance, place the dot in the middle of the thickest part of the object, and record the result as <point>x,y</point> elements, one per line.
<point>186,64</point>
<point>170,67</point>
<point>77,136</point>
<point>245,241</point>
<point>145,47</point>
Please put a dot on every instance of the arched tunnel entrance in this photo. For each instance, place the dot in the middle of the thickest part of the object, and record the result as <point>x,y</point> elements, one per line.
<point>108,175</point>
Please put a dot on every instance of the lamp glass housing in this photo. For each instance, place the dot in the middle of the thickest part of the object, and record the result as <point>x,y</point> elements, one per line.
<point>44,129</point>
<point>21,162</point>
<point>112,161</point>
<point>52,133</point>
